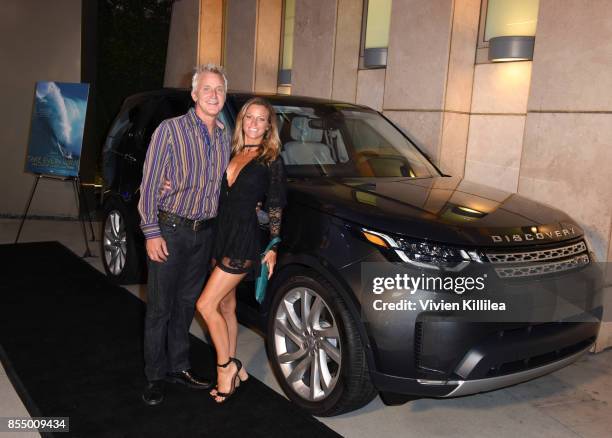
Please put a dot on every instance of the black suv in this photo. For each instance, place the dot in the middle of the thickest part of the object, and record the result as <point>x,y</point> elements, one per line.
<point>362,194</point>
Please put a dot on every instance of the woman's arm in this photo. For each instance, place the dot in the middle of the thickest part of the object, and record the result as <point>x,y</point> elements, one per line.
<point>276,200</point>
<point>276,217</point>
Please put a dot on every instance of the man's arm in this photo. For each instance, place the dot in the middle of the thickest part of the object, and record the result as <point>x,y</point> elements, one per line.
<point>152,176</point>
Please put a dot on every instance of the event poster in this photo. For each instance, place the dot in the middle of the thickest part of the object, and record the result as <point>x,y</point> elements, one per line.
<point>56,133</point>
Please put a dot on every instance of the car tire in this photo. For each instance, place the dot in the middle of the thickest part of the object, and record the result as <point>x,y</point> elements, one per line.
<point>327,341</point>
<point>122,261</point>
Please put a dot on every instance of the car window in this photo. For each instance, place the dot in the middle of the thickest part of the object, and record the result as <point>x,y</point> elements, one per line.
<point>375,150</point>
<point>341,140</point>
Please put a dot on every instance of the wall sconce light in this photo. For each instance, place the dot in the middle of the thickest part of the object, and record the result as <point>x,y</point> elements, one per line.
<point>375,32</point>
<point>284,78</point>
<point>375,57</point>
<point>511,48</point>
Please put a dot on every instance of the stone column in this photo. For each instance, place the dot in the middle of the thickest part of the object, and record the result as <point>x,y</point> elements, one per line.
<point>459,83</point>
<point>429,75</point>
<point>182,54</point>
<point>210,38</point>
<point>241,27</point>
<point>497,123</point>
<point>346,51</point>
<point>314,42</point>
<point>267,50</point>
<point>252,44</point>
<point>196,37</point>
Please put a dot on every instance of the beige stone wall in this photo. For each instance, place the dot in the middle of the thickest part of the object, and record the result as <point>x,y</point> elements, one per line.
<point>346,52</point>
<point>249,51</point>
<point>39,41</point>
<point>210,28</point>
<point>239,57</point>
<point>267,51</point>
<point>371,88</point>
<point>430,70</point>
<point>313,48</point>
<point>182,53</point>
<point>427,85</point>
<point>417,68</point>
<point>457,102</point>
<point>497,123</point>
<point>196,37</point>
<point>567,152</point>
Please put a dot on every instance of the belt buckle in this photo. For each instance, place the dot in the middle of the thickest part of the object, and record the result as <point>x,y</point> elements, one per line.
<point>195,224</point>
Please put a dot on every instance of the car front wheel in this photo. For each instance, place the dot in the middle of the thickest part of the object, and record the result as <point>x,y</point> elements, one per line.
<point>314,347</point>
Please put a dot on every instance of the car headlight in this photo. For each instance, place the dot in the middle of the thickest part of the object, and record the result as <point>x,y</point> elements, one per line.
<point>423,254</point>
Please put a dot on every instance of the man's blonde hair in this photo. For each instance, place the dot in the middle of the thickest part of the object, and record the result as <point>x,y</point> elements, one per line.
<point>207,68</point>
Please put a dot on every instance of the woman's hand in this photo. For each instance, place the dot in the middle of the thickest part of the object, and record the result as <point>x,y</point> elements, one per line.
<point>165,188</point>
<point>270,260</point>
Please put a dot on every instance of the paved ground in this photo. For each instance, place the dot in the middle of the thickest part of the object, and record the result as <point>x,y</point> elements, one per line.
<point>573,402</point>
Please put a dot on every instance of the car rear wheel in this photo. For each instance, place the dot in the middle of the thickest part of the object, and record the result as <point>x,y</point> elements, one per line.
<point>120,257</point>
<point>314,347</point>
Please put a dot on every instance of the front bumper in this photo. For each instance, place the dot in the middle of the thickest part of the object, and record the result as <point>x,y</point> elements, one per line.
<point>457,388</point>
<point>423,353</point>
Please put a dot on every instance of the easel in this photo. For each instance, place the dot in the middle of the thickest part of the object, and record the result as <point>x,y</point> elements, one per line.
<point>80,200</point>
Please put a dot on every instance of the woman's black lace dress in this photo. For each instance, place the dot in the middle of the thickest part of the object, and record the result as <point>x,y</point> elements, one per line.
<point>237,241</point>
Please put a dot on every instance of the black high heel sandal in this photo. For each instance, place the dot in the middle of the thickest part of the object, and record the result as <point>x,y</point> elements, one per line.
<point>239,380</point>
<point>227,395</point>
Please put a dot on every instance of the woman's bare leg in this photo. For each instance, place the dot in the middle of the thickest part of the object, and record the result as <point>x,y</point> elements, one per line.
<point>228,310</point>
<point>219,285</point>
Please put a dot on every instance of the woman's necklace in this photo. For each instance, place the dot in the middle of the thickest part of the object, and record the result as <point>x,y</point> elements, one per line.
<point>250,150</point>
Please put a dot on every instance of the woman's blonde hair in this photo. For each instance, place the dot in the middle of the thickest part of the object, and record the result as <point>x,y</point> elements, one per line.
<point>271,142</point>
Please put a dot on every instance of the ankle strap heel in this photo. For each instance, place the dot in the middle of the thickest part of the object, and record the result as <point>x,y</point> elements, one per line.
<point>231,359</point>
<point>227,395</point>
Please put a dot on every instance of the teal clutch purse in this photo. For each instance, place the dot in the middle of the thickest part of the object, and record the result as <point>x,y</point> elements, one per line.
<point>262,280</point>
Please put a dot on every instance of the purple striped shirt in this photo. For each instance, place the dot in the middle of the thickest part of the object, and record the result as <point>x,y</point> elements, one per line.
<point>183,152</point>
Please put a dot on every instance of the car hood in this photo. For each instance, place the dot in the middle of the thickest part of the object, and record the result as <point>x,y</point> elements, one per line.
<point>442,209</point>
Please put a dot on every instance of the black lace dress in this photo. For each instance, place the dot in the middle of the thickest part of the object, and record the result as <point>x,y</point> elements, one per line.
<point>237,241</point>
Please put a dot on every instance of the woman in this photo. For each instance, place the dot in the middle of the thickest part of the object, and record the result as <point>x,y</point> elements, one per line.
<point>255,173</point>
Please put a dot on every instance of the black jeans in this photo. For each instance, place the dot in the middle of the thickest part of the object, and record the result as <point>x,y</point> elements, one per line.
<point>173,288</point>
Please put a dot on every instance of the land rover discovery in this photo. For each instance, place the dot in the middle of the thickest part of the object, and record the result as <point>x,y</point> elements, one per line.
<point>362,194</point>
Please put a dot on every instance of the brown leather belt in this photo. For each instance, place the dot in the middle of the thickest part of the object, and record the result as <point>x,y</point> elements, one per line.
<point>174,219</point>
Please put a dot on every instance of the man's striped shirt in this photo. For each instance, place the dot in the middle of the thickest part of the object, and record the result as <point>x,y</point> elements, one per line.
<point>183,152</point>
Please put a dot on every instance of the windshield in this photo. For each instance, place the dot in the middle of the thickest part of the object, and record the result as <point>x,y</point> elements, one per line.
<point>346,141</point>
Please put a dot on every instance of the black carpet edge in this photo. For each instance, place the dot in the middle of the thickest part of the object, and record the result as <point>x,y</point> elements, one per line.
<point>21,390</point>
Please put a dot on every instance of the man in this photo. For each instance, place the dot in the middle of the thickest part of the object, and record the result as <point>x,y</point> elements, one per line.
<point>189,153</point>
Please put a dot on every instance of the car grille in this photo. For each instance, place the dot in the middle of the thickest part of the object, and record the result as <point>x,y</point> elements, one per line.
<point>539,262</point>
<point>538,255</point>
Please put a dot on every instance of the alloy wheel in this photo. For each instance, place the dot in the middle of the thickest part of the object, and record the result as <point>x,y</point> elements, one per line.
<point>115,243</point>
<point>308,346</point>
